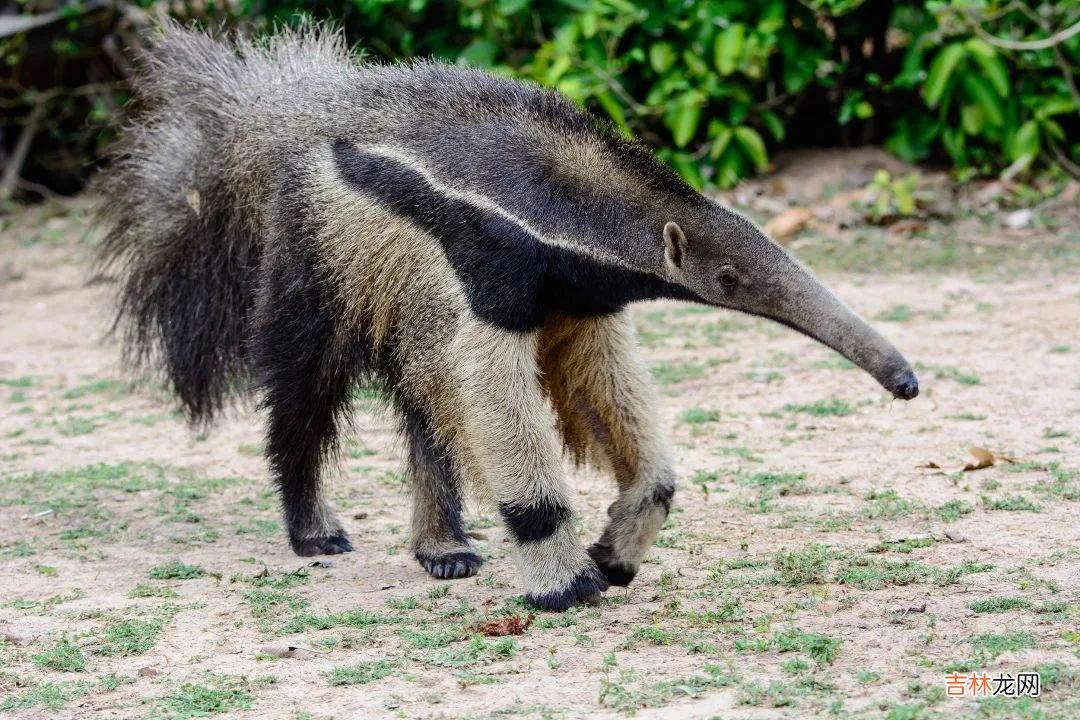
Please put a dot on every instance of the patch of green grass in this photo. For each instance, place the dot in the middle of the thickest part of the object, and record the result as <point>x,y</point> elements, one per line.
<point>625,693</point>
<point>17,549</point>
<point>222,694</point>
<point>1051,433</point>
<point>953,510</point>
<point>475,651</point>
<point>967,416</point>
<point>113,388</point>
<point>53,696</point>
<point>1000,605</point>
<point>1060,349</point>
<point>75,426</point>
<point>867,677</point>
<point>697,416</point>
<point>651,635</point>
<point>995,645</point>
<point>1010,503</point>
<point>360,673</point>
<point>897,313</point>
<point>63,656</point>
<point>944,372</point>
<point>19,382</point>
<point>805,567</point>
<point>904,546</point>
<point>145,590</point>
<point>833,407</point>
<point>887,504</point>
<point>822,649</point>
<point>869,574</point>
<point>176,570</point>
<point>432,639</point>
<point>125,637</point>
<point>668,373</point>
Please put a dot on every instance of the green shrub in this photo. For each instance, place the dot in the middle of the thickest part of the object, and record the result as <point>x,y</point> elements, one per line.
<point>716,85</point>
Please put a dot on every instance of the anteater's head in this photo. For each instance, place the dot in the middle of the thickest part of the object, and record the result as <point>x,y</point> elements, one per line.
<point>724,259</point>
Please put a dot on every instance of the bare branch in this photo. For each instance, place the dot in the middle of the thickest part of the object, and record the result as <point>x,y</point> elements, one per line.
<point>1044,44</point>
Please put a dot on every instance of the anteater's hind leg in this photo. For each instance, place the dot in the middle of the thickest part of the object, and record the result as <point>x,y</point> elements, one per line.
<point>438,537</point>
<point>306,363</point>
<point>604,398</point>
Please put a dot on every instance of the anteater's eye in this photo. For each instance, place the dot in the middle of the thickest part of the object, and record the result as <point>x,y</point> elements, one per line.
<point>728,279</point>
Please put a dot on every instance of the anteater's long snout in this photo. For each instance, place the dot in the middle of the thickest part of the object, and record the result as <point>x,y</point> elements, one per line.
<point>906,386</point>
<point>801,302</point>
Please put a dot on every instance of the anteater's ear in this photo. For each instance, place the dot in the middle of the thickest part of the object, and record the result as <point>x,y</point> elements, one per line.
<point>675,245</point>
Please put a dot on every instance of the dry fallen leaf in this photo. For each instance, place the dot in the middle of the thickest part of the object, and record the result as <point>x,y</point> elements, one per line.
<point>983,459</point>
<point>931,465</point>
<point>147,672</point>
<point>788,223</point>
<point>497,627</point>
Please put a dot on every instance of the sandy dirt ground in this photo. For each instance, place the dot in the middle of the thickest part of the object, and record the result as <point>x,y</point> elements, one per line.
<point>827,555</point>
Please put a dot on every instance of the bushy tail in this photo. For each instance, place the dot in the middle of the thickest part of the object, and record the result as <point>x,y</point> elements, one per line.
<point>179,233</point>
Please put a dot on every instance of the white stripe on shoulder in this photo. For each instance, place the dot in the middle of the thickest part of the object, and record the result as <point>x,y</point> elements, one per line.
<point>485,203</point>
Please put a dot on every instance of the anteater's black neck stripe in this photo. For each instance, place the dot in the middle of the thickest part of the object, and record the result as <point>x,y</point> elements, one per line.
<point>514,280</point>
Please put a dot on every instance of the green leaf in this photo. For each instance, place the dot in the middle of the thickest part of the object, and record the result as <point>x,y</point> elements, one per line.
<point>754,146</point>
<point>697,65</point>
<point>661,57</point>
<point>773,124</point>
<point>1055,105</point>
<point>992,65</point>
<point>728,47</point>
<point>1053,129</point>
<point>941,71</point>
<point>590,24</point>
<point>913,137</point>
<point>953,139</point>
<point>972,118</point>
<point>729,170</point>
<point>1025,141</point>
<point>979,90</point>
<point>509,7</point>
<point>558,69</point>
<point>720,143</point>
<point>689,171</point>
<point>683,120</point>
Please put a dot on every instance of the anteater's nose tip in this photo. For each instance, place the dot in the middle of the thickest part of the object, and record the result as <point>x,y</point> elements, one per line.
<point>907,387</point>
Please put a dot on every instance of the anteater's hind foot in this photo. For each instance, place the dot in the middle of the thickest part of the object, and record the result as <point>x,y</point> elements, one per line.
<point>316,530</point>
<point>450,564</point>
<point>334,544</point>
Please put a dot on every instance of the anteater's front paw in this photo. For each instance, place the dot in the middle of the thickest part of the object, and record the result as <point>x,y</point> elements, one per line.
<point>616,571</point>
<point>585,587</point>
<point>451,565</point>
<point>329,545</point>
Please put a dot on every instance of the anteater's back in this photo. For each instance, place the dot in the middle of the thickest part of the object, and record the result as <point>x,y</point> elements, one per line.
<point>235,156</point>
